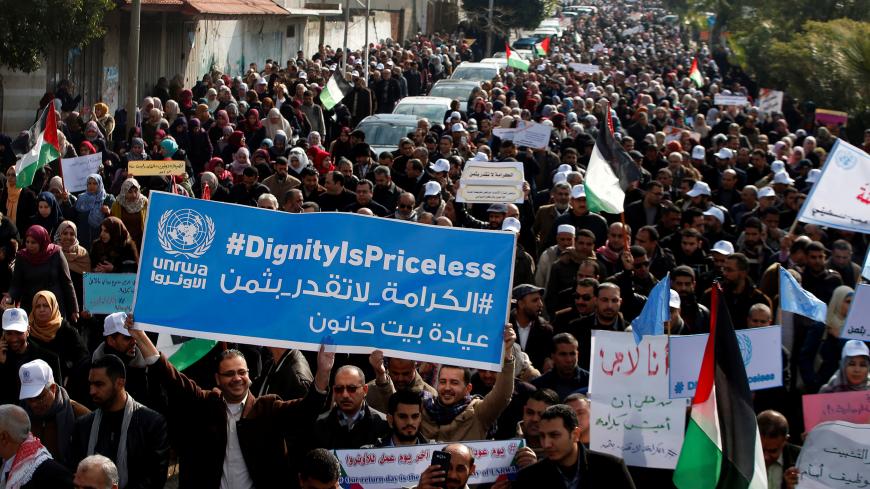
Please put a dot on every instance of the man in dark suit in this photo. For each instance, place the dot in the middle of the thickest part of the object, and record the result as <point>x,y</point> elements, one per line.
<point>647,211</point>
<point>547,214</point>
<point>780,456</point>
<point>567,458</point>
<point>534,333</point>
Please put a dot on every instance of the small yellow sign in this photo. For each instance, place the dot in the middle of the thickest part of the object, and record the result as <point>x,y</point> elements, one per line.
<point>161,168</point>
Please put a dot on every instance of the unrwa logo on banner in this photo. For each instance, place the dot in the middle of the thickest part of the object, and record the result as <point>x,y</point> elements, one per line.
<point>185,232</point>
<point>846,160</point>
<point>745,344</point>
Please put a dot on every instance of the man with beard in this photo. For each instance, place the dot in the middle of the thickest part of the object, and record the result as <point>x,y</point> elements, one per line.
<point>16,350</point>
<point>609,255</point>
<point>534,333</point>
<point>661,259</point>
<point>608,301</point>
<point>547,214</point>
<point>403,375</point>
<point>405,208</point>
<point>580,217</point>
<point>529,428</point>
<point>133,436</point>
<point>754,248</point>
<point>461,469</point>
<point>841,262</point>
<point>351,423</point>
<point>564,272</point>
<point>566,377</point>
<point>386,192</point>
<point>817,278</point>
<point>564,241</point>
<point>583,304</point>
<point>404,415</point>
<point>740,292</point>
<point>695,316</point>
<point>50,409</point>
<point>281,182</point>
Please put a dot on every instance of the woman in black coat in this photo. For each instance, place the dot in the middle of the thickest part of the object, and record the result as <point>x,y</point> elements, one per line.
<point>41,265</point>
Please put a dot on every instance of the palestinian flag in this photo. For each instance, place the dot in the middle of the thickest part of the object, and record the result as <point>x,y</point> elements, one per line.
<point>722,448</point>
<point>515,60</point>
<point>695,74</point>
<point>335,90</point>
<point>610,172</point>
<point>45,149</point>
<point>183,352</point>
<point>543,47</point>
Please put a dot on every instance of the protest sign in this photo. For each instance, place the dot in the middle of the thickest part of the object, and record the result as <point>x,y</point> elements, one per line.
<point>388,468</point>
<point>585,68</point>
<point>160,168</point>
<point>738,100</point>
<point>106,293</point>
<point>770,101</point>
<point>830,117</point>
<point>857,325</point>
<point>490,194</point>
<point>491,182</point>
<point>354,281</point>
<point>672,133</point>
<point>835,456</point>
<point>534,135</point>
<point>631,414</point>
<point>841,197</point>
<point>760,348</point>
<point>836,406</point>
<point>504,133</point>
<point>76,170</point>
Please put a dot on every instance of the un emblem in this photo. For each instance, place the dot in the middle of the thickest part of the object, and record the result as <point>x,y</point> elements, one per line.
<point>745,345</point>
<point>846,161</point>
<point>185,232</point>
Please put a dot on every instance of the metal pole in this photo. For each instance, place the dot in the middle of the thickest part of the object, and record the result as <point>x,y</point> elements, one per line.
<point>133,63</point>
<point>346,27</point>
<point>489,31</point>
<point>366,47</point>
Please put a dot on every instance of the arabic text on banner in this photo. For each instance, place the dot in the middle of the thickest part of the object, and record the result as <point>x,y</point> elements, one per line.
<point>491,182</point>
<point>354,281</point>
<point>853,407</point>
<point>76,170</point>
<point>160,168</point>
<point>841,197</point>
<point>388,468</point>
<point>631,414</point>
<point>758,347</point>
<point>738,100</point>
<point>770,101</point>
<point>835,455</point>
<point>857,325</point>
<point>106,293</point>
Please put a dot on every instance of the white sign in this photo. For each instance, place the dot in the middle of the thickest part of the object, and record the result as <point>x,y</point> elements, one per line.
<point>388,468</point>
<point>504,133</point>
<point>490,194</point>
<point>841,197</point>
<point>857,326</point>
<point>534,136</point>
<point>585,68</point>
<point>835,455</point>
<point>496,172</point>
<point>632,416</point>
<point>491,182</point>
<point>738,100</point>
<point>770,101</point>
<point>762,357</point>
<point>76,170</point>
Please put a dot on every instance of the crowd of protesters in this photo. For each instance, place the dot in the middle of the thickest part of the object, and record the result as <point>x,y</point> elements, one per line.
<point>716,202</point>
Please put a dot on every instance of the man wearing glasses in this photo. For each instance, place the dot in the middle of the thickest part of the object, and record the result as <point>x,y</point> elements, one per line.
<point>227,437</point>
<point>351,423</point>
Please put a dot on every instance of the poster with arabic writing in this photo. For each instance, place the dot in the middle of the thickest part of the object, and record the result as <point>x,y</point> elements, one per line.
<point>841,197</point>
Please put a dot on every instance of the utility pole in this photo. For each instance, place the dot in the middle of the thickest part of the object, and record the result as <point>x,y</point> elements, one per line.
<point>133,64</point>
<point>346,27</point>
<point>489,32</point>
<point>365,52</point>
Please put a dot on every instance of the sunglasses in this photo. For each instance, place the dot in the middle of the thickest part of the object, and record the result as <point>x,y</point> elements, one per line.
<point>403,206</point>
<point>585,297</point>
<point>351,389</point>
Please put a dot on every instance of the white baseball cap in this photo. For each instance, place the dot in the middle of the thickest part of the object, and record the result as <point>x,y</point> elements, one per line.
<point>717,213</point>
<point>777,166</point>
<point>782,177</point>
<point>114,323</point>
<point>564,167</point>
<point>379,66</point>
<point>455,115</point>
<point>560,177</point>
<point>35,377</point>
<point>303,75</point>
<point>511,224</point>
<point>674,301</point>
<point>432,188</point>
<point>457,127</point>
<point>813,175</point>
<point>723,248</point>
<point>698,152</point>
<point>578,191</point>
<point>725,154</point>
<point>855,348</point>
<point>566,229</point>
<point>766,192</point>
<point>480,157</point>
<point>700,188</point>
<point>15,319</point>
<point>441,165</point>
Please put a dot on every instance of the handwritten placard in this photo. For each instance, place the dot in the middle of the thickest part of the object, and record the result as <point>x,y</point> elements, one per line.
<point>835,455</point>
<point>534,136</point>
<point>770,101</point>
<point>585,68</point>
<point>836,406</point>
<point>631,414</point>
<point>76,170</point>
<point>857,325</point>
<point>491,182</point>
<point>738,100</point>
<point>106,293</point>
<point>160,168</point>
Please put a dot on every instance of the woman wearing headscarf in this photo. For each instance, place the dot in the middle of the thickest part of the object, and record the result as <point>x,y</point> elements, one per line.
<point>40,265</point>
<point>131,207</point>
<point>7,155</point>
<point>48,212</point>
<point>94,136</point>
<point>8,248</point>
<point>318,156</point>
<point>199,146</point>
<point>65,200</point>
<point>216,191</point>
<point>234,142</point>
<point>218,168</point>
<point>92,207</point>
<point>854,372</point>
<point>138,150</point>
<point>104,119</point>
<point>241,160</point>
<point>171,111</point>
<point>144,110</point>
<point>185,102</point>
<point>253,129</point>
<point>298,160</point>
<point>202,114</point>
<point>279,145</point>
<point>151,125</point>
<point>820,352</point>
<point>18,204</point>
<point>113,251</point>
<point>77,258</point>
<point>275,122</point>
<point>212,101</point>
<point>221,121</point>
<point>179,131</point>
<point>51,331</point>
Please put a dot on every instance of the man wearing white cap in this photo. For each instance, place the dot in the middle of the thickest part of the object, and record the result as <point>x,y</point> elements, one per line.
<point>50,408</point>
<point>580,217</point>
<point>564,241</point>
<point>15,350</point>
<point>432,201</point>
<point>698,196</point>
<point>714,223</point>
<point>524,265</point>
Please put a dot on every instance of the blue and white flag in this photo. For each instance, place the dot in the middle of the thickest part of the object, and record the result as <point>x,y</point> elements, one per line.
<point>841,197</point>
<point>656,311</point>
<point>234,273</point>
<point>793,298</point>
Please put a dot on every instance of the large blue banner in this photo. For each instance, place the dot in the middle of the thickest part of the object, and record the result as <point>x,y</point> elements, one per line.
<point>236,273</point>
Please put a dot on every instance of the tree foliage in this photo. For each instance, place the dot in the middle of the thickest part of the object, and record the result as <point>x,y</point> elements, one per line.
<point>32,27</point>
<point>507,14</point>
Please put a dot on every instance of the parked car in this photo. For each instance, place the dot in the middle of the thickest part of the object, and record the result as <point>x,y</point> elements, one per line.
<point>431,108</point>
<point>383,131</point>
<point>454,90</point>
<point>475,72</point>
